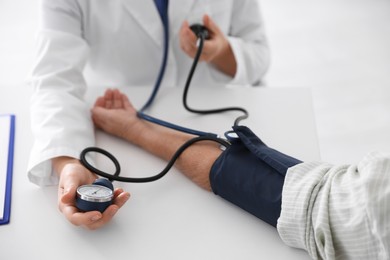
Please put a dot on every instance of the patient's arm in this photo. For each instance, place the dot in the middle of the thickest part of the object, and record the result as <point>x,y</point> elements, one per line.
<point>114,114</point>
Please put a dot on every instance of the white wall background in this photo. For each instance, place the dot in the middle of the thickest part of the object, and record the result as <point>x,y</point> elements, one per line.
<point>18,23</point>
<point>339,48</point>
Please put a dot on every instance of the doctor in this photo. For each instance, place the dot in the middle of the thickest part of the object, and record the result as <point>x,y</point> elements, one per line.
<point>84,43</point>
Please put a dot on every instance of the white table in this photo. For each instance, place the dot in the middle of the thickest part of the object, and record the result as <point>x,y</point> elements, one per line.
<point>171,218</point>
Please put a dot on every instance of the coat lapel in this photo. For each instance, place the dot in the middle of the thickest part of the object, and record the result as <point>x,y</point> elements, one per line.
<point>146,15</point>
<point>178,12</point>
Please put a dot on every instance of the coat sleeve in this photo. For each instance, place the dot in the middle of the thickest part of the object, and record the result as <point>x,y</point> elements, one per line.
<point>249,43</point>
<point>60,118</point>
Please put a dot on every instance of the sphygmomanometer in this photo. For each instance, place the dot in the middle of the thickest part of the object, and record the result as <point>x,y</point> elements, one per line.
<point>99,195</point>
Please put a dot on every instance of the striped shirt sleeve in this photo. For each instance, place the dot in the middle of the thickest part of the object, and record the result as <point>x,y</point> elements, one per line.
<point>338,212</point>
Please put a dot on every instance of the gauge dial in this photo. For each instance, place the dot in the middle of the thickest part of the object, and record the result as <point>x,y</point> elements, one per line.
<point>95,193</point>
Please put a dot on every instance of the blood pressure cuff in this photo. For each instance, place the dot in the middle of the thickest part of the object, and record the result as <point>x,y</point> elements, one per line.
<point>251,175</point>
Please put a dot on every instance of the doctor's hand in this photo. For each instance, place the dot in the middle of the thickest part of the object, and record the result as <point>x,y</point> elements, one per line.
<point>72,175</point>
<point>216,50</point>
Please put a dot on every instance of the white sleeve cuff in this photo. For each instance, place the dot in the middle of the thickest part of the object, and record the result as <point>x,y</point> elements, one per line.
<point>40,170</point>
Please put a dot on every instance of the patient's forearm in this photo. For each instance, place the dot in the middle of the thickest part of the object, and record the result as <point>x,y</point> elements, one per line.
<point>195,162</point>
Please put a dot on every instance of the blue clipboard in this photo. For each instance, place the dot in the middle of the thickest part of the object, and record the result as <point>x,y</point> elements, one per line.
<point>8,184</point>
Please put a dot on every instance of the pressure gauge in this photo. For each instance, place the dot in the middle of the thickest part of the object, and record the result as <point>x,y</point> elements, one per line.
<point>94,197</point>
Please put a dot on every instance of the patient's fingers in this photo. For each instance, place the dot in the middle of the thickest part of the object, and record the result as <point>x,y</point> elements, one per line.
<point>117,99</point>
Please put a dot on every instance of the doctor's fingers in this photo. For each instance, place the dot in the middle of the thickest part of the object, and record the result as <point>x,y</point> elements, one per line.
<point>65,197</point>
<point>210,48</point>
<point>192,49</point>
<point>91,220</point>
<point>188,42</point>
<point>209,52</point>
<point>67,187</point>
<point>186,35</point>
<point>105,218</point>
<point>211,26</point>
<point>86,219</point>
<point>66,206</point>
<point>120,199</point>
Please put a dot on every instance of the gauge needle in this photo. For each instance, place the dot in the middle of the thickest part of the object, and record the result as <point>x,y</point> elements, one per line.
<point>96,191</point>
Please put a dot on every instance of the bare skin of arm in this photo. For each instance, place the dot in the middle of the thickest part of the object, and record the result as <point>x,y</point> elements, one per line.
<point>114,114</point>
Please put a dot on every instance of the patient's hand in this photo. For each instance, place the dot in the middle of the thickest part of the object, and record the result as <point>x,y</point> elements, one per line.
<point>114,114</point>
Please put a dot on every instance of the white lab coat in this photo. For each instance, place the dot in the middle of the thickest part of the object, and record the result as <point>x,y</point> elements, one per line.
<point>120,43</point>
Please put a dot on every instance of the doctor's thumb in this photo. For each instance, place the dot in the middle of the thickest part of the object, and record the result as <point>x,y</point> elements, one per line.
<point>211,25</point>
<point>68,195</point>
<point>208,23</point>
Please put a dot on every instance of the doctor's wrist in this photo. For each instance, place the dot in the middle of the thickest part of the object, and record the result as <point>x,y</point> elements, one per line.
<point>60,162</point>
<point>225,60</point>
